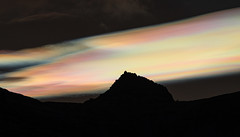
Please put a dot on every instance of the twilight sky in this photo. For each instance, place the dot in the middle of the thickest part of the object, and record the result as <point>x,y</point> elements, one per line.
<point>28,24</point>
<point>199,47</point>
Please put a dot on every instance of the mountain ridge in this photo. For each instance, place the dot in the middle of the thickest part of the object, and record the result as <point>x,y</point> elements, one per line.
<point>122,114</point>
<point>139,88</point>
<point>11,97</point>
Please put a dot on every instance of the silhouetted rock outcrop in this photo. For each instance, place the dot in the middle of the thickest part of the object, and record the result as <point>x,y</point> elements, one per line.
<point>133,89</point>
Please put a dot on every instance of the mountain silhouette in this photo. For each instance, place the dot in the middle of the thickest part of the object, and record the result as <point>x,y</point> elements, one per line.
<point>133,106</point>
<point>27,117</point>
<point>7,97</point>
<point>133,89</point>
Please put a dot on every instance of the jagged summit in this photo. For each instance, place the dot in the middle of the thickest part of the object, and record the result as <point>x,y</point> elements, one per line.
<point>130,86</point>
<point>130,75</point>
<point>130,80</point>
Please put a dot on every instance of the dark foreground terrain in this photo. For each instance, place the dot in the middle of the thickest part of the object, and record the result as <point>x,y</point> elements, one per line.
<point>134,106</point>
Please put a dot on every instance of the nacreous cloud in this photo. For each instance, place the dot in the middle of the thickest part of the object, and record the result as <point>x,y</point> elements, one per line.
<point>198,47</point>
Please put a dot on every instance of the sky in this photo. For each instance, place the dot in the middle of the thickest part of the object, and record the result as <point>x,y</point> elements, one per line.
<point>197,47</point>
<point>29,24</point>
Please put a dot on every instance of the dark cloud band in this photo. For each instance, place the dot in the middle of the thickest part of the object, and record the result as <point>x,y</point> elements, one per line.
<point>11,68</point>
<point>12,79</point>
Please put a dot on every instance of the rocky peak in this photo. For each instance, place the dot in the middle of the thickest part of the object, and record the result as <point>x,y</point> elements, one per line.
<point>130,86</point>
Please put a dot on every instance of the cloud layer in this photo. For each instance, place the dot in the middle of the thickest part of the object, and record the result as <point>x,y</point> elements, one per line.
<point>204,46</point>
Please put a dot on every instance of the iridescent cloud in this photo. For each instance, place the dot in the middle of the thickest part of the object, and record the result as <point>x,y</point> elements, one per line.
<point>203,46</point>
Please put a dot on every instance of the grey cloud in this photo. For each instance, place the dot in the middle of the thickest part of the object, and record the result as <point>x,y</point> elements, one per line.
<point>12,79</point>
<point>41,17</point>
<point>15,67</point>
